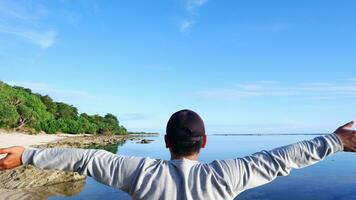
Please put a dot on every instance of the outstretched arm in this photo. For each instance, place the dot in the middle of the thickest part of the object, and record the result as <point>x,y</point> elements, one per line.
<point>103,166</point>
<point>263,167</point>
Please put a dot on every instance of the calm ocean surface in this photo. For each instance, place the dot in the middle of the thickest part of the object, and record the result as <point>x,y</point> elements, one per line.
<point>333,178</point>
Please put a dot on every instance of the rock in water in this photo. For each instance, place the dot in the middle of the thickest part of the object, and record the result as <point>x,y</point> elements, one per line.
<point>29,182</point>
<point>43,193</point>
<point>29,176</point>
<point>145,141</point>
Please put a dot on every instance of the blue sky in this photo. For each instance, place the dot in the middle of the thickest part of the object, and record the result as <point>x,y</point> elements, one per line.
<point>245,66</point>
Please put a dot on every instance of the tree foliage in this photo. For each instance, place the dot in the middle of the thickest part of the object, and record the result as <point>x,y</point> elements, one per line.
<point>8,115</point>
<point>24,110</point>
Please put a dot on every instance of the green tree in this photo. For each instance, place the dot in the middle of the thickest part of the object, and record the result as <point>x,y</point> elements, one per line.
<point>8,115</point>
<point>68,126</point>
<point>98,122</point>
<point>51,126</point>
<point>84,124</point>
<point>27,118</point>
<point>122,130</point>
<point>73,126</point>
<point>49,103</point>
<point>111,123</point>
<point>31,109</point>
<point>22,109</point>
<point>65,111</point>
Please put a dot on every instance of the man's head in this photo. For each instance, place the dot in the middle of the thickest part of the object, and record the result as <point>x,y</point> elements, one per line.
<point>185,133</point>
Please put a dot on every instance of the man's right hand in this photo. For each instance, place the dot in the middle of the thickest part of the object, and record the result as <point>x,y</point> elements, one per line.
<point>347,136</point>
<point>13,157</point>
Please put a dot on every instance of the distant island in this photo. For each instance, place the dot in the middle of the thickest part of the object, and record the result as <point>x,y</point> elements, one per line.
<point>25,111</point>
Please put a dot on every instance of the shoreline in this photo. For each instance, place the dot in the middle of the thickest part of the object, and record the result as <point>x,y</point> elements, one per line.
<point>42,140</point>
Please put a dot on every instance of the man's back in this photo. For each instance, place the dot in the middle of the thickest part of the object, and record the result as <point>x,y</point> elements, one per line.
<point>180,179</point>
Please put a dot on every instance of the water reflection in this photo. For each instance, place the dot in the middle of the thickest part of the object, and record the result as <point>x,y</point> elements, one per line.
<point>111,147</point>
<point>42,193</point>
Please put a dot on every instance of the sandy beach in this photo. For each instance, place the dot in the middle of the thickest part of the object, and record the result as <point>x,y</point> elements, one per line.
<point>8,139</point>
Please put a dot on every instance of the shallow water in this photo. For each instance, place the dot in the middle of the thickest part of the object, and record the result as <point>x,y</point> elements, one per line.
<point>333,178</point>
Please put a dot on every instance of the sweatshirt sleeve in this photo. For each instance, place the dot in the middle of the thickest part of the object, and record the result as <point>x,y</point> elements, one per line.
<point>105,167</point>
<point>263,167</point>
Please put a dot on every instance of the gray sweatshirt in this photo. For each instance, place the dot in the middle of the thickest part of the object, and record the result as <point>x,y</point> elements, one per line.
<point>147,178</point>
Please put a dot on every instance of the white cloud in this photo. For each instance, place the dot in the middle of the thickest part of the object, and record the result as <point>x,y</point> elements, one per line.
<point>186,25</point>
<point>43,39</point>
<point>192,7</point>
<point>24,20</point>
<point>270,89</point>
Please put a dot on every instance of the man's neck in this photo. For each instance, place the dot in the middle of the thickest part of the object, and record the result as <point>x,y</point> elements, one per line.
<point>180,157</point>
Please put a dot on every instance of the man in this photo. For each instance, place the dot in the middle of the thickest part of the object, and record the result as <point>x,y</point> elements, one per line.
<point>183,177</point>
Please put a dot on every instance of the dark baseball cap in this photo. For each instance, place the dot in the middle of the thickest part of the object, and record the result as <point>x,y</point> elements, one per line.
<point>185,125</point>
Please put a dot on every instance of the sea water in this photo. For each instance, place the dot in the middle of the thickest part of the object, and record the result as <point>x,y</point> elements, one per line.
<point>333,178</point>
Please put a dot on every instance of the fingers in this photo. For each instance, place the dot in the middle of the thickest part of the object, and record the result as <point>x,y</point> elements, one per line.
<point>5,150</point>
<point>9,150</point>
<point>348,125</point>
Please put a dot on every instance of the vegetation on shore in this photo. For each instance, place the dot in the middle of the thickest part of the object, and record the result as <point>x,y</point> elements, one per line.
<point>23,110</point>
